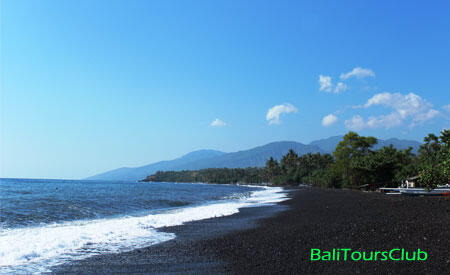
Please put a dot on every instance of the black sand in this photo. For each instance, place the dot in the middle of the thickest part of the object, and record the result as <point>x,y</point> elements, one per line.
<point>266,241</point>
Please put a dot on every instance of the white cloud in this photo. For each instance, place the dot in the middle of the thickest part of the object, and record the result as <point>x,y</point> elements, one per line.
<point>340,87</point>
<point>358,72</point>
<point>382,98</point>
<point>355,123</point>
<point>325,83</point>
<point>386,121</point>
<point>406,106</point>
<point>426,115</point>
<point>383,121</point>
<point>446,107</point>
<point>273,114</point>
<point>329,120</point>
<point>218,123</point>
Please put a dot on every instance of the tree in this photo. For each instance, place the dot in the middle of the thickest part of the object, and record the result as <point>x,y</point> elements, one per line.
<point>407,166</point>
<point>350,161</point>
<point>289,161</point>
<point>272,169</point>
<point>289,164</point>
<point>434,156</point>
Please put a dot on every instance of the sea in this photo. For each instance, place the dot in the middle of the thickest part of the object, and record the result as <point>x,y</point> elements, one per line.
<point>44,223</point>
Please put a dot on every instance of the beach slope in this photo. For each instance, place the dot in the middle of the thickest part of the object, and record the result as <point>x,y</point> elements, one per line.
<point>271,239</point>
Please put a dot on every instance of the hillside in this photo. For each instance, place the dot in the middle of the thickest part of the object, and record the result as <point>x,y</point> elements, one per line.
<point>255,157</point>
<point>329,144</point>
<point>138,173</point>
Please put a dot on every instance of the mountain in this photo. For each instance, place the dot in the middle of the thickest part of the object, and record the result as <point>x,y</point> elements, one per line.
<point>211,159</point>
<point>138,173</point>
<point>255,157</point>
<point>329,144</point>
<point>400,144</point>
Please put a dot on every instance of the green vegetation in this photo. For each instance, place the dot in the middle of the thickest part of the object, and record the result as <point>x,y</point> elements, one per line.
<point>356,164</point>
<point>434,157</point>
<point>212,175</point>
<point>353,164</point>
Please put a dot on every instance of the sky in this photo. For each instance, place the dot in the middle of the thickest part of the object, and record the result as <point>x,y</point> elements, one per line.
<point>89,86</point>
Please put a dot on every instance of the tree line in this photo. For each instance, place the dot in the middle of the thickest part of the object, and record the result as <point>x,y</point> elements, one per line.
<point>352,164</point>
<point>212,175</point>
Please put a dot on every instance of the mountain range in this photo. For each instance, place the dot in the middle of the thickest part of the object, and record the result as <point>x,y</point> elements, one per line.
<point>255,157</point>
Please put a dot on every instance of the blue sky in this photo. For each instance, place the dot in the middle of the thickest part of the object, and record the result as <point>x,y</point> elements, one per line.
<point>88,86</point>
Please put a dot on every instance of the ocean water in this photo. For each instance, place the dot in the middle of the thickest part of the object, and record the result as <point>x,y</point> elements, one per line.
<point>44,223</point>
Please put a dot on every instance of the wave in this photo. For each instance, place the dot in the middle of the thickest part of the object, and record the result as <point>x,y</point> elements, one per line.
<point>36,249</point>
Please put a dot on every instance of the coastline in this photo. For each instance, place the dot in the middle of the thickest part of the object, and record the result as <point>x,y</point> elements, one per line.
<point>278,238</point>
<point>179,255</point>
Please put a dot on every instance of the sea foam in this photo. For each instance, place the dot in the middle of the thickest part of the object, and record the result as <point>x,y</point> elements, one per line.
<point>37,249</point>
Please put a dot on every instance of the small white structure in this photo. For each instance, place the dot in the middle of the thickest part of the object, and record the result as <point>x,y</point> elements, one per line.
<point>411,182</point>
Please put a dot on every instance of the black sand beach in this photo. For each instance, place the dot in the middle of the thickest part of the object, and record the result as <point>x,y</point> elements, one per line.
<point>268,240</point>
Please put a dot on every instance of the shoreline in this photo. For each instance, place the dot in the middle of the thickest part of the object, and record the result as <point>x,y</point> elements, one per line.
<point>175,255</point>
<point>278,238</point>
